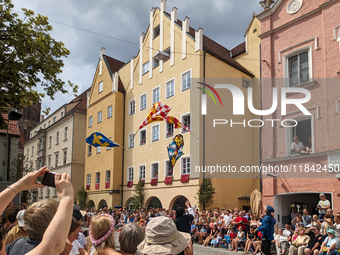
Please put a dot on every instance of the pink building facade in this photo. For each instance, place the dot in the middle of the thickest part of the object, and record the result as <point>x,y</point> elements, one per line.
<point>300,48</point>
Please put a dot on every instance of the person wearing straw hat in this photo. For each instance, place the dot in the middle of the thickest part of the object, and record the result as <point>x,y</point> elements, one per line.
<point>330,245</point>
<point>162,237</point>
<point>300,243</point>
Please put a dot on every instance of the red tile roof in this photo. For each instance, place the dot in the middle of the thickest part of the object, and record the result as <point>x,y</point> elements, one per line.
<point>114,65</point>
<point>239,49</point>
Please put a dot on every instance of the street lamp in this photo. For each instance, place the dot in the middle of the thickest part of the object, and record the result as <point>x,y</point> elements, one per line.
<point>12,115</point>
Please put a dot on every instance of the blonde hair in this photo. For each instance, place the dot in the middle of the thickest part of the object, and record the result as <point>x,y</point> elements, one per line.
<point>38,216</point>
<point>100,225</point>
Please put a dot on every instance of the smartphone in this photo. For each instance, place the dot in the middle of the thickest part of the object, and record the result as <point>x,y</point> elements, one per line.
<point>48,179</point>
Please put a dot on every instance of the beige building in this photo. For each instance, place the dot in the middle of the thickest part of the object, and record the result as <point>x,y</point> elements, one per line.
<point>58,143</point>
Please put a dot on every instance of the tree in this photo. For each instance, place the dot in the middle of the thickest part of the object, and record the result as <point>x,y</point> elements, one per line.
<point>82,195</point>
<point>20,168</point>
<point>139,195</point>
<point>206,193</point>
<point>29,58</point>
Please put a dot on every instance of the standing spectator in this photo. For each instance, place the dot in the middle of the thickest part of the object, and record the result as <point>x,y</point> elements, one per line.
<point>293,214</point>
<point>297,221</point>
<point>336,225</point>
<point>267,229</point>
<point>18,231</point>
<point>241,221</point>
<point>287,232</point>
<point>11,215</point>
<point>129,238</point>
<point>323,205</point>
<point>162,237</point>
<point>306,218</point>
<point>182,221</point>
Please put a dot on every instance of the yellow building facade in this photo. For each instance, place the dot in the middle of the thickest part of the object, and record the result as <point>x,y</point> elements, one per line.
<point>172,58</point>
<point>103,166</point>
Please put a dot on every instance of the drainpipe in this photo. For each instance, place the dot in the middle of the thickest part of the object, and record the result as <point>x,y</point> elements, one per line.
<point>121,196</point>
<point>260,136</point>
<point>204,59</point>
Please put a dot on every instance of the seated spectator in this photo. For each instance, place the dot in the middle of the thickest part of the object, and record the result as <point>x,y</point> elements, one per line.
<point>212,234</point>
<point>293,214</point>
<point>281,242</point>
<point>297,222</point>
<point>75,247</point>
<point>315,241</point>
<point>102,235</point>
<point>287,232</point>
<point>326,225</point>
<point>331,244</point>
<point>202,234</point>
<point>231,232</point>
<point>297,147</point>
<point>238,240</point>
<point>250,240</point>
<point>11,216</point>
<point>316,223</point>
<point>162,237</point>
<point>217,239</point>
<point>18,231</point>
<point>295,235</point>
<point>130,237</point>
<point>300,243</point>
<point>306,218</point>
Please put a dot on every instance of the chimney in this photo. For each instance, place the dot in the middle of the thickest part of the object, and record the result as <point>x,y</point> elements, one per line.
<point>42,118</point>
<point>163,5</point>
<point>102,52</point>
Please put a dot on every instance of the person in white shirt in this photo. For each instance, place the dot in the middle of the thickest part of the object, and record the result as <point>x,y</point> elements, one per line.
<point>297,147</point>
<point>227,218</point>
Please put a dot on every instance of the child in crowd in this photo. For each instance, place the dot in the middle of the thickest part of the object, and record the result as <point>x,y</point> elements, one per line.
<point>251,238</point>
<point>216,240</point>
<point>231,233</point>
<point>202,234</point>
<point>295,235</point>
<point>239,239</point>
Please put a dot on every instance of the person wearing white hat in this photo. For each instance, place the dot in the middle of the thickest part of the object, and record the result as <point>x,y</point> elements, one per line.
<point>162,237</point>
<point>17,231</point>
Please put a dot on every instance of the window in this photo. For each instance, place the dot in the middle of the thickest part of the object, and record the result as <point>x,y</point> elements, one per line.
<point>54,119</point>
<point>39,164</point>
<point>99,149</point>
<point>142,172</point>
<point>108,176</point>
<point>186,80</point>
<point>298,68</point>
<point>49,123</point>
<point>169,129</point>
<point>66,133</point>
<point>142,102</point>
<point>45,125</point>
<point>88,179</point>
<point>98,177</point>
<point>156,32</point>
<point>303,132</point>
<point>49,162</point>
<point>40,147</point>
<point>90,121</point>
<point>186,165</point>
<point>146,67</point>
<point>155,133</point>
<point>100,87</point>
<point>109,111</point>
<point>62,114</point>
<point>132,107</point>
<point>131,140</point>
<point>155,63</point>
<point>32,151</point>
<point>99,116</point>
<point>168,170</point>
<point>89,150</point>
<point>155,95</point>
<point>130,174</point>
<point>57,139</point>
<point>28,153</point>
<point>186,122</point>
<point>170,88</point>
<point>56,159</point>
<point>142,137</point>
<point>65,157</point>
<point>50,142</point>
<point>154,170</point>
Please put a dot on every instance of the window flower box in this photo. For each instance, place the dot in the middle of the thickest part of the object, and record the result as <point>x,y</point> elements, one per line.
<point>154,181</point>
<point>185,178</point>
<point>97,186</point>
<point>129,184</point>
<point>168,180</point>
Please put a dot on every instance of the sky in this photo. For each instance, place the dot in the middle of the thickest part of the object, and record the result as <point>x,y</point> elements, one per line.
<point>224,21</point>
